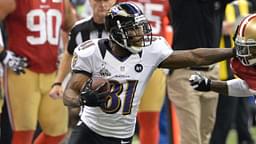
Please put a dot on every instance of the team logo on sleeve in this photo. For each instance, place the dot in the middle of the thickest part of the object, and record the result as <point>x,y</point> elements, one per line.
<point>138,68</point>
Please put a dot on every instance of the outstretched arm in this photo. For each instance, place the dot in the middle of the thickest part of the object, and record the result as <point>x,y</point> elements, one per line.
<point>196,57</point>
<point>219,87</point>
<point>234,87</point>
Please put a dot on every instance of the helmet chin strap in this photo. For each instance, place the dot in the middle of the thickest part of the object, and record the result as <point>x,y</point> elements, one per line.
<point>131,49</point>
<point>134,50</point>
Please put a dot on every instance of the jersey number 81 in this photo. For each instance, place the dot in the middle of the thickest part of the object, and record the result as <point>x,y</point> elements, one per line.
<point>114,102</point>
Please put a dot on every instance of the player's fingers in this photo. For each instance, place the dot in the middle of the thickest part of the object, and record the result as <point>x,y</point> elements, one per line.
<point>56,96</point>
<point>25,62</point>
<point>193,83</point>
<point>103,96</point>
<point>56,93</point>
<point>195,86</point>
<point>193,77</point>
<point>52,95</point>
<point>22,71</point>
<point>100,86</point>
<point>16,70</point>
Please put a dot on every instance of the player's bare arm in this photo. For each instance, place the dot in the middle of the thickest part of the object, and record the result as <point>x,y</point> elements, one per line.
<point>63,70</point>
<point>69,21</point>
<point>235,87</point>
<point>64,67</point>
<point>219,87</point>
<point>69,17</point>
<point>72,91</point>
<point>196,57</point>
<point>6,7</point>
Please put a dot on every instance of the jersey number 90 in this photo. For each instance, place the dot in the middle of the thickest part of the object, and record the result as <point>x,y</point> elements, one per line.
<point>45,24</point>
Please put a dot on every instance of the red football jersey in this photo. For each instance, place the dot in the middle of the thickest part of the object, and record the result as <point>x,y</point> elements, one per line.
<point>246,73</point>
<point>157,12</point>
<point>34,32</point>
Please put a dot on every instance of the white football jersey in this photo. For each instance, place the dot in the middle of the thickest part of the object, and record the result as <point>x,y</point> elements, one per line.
<point>128,78</point>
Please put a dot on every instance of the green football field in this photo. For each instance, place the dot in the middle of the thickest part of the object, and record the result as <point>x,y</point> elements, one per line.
<point>232,137</point>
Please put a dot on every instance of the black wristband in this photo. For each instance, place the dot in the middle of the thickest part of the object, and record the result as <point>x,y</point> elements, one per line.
<point>56,84</point>
<point>3,55</point>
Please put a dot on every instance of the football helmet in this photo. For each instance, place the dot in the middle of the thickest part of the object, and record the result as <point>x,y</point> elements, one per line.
<point>245,40</point>
<point>128,27</point>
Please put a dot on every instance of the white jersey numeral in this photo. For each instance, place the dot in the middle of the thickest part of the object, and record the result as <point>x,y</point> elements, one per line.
<point>47,24</point>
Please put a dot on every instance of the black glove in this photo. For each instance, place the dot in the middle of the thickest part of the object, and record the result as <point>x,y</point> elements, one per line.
<point>91,97</point>
<point>199,82</point>
<point>14,62</point>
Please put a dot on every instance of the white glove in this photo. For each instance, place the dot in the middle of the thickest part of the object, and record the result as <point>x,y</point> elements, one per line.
<point>14,62</point>
<point>199,82</point>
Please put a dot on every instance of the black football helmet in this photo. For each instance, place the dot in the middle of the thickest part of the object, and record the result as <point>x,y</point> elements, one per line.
<point>128,27</point>
<point>245,40</point>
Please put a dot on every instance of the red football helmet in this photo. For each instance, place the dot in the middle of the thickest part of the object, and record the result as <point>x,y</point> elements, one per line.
<point>245,40</point>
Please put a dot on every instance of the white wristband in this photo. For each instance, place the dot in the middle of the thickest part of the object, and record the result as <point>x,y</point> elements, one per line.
<point>238,88</point>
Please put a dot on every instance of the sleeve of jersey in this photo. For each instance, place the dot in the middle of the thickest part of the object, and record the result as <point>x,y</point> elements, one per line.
<point>162,49</point>
<point>239,88</point>
<point>82,61</point>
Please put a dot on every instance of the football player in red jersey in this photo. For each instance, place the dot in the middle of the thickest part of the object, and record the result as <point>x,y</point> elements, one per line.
<point>243,66</point>
<point>33,28</point>
<point>157,12</point>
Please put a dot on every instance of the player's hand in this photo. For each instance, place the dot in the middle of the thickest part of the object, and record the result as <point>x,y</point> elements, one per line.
<point>14,62</point>
<point>199,82</point>
<point>56,92</point>
<point>91,97</point>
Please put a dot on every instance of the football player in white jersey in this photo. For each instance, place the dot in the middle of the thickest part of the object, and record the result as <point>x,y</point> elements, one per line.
<point>127,59</point>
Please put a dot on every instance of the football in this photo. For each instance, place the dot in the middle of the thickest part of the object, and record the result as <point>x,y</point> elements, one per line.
<point>100,84</point>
